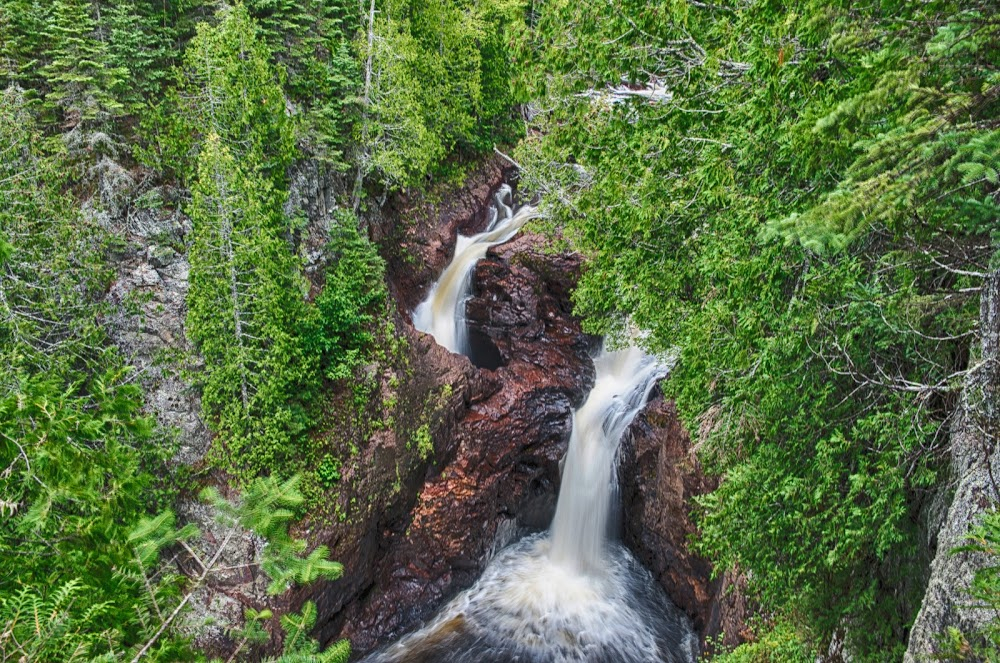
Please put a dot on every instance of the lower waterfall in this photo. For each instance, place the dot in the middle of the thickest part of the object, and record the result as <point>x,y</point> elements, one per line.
<point>572,594</point>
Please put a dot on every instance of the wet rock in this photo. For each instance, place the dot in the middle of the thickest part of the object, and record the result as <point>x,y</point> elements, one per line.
<point>659,476</point>
<point>497,465</point>
<point>382,478</point>
<point>508,455</point>
<point>417,230</point>
<point>521,307</point>
<point>495,474</point>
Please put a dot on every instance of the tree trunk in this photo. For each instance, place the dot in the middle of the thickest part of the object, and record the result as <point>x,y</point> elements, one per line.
<point>359,177</point>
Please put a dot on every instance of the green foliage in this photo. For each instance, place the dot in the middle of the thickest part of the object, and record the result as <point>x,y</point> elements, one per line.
<point>153,534</point>
<point>311,40</point>
<point>79,455</point>
<point>80,551</point>
<point>53,627</point>
<point>423,441</point>
<point>22,33</point>
<point>243,307</point>
<point>66,624</point>
<point>328,471</point>
<point>246,300</point>
<point>223,110</point>
<point>267,352</point>
<point>779,644</point>
<point>267,507</point>
<point>803,217</point>
<point>339,330</point>
<point>440,83</point>
<point>228,87</point>
<point>300,648</point>
<point>78,73</point>
<point>139,48</point>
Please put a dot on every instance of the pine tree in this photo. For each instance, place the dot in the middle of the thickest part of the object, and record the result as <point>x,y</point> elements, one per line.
<point>139,46</point>
<point>246,301</point>
<point>230,88</point>
<point>22,36</point>
<point>78,75</point>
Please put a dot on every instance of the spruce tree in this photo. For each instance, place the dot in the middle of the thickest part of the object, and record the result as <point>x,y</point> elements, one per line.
<point>79,76</point>
<point>139,46</point>
<point>22,42</point>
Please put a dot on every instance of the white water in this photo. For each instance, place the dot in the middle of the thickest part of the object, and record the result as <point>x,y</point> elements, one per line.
<point>571,595</point>
<point>580,528</point>
<point>442,314</point>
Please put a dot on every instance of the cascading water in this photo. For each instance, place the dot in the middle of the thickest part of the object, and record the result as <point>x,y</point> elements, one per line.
<point>442,314</point>
<point>572,594</point>
<point>580,527</point>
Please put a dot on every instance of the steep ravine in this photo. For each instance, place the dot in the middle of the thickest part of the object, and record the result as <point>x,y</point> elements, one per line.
<point>494,473</point>
<point>414,523</point>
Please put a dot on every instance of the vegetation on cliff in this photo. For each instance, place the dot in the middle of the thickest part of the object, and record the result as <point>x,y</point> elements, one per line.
<point>106,106</point>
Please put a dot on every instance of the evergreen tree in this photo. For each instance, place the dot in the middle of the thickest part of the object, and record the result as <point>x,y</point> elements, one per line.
<point>437,85</point>
<point>22,42</point>
<point>77,450</point>
<point>79,75</point>
<point>244,307</point>
<point>310,40</point>
<point>139,46</point>
<point>228,87</point>
<point>801,198</point>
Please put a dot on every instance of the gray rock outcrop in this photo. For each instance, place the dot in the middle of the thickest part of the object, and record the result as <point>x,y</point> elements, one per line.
<point>975,465</point>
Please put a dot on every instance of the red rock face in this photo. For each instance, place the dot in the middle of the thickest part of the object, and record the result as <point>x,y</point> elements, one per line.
<point>503,472</point>
<point>659,475</point>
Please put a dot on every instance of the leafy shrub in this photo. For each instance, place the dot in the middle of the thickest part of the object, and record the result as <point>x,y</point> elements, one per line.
<point>779,644</point>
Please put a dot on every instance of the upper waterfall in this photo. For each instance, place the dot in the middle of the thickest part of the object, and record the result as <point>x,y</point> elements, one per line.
<point>442,313</point>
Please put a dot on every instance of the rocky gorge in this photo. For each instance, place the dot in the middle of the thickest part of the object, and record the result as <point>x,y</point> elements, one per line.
<point>467,458</point>
<point>499,433</point>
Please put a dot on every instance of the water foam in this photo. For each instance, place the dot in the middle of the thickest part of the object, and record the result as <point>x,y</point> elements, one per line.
<point>528,607</point>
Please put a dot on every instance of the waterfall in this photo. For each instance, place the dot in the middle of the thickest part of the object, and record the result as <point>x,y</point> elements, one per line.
<point>442,314</point>
<point>572,594</point>
<point>579,529</point>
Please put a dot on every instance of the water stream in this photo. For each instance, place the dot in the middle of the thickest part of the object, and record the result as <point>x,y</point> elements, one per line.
<point>442,314</point>
<point>573,594</point>
<point>580,527</point>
